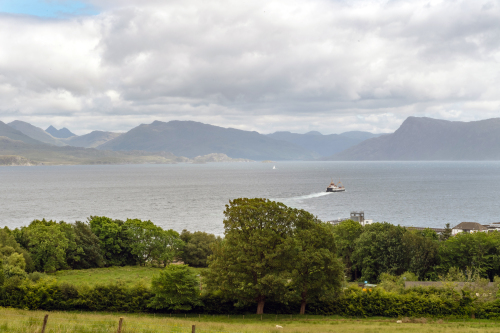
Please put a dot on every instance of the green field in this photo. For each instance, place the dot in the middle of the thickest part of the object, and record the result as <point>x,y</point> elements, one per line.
<point>128,275</point>
<point>13,320</point>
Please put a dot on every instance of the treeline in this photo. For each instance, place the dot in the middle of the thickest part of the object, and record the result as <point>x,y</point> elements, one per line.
<point>378,248</point>
<point>272,256</point>
<point>48,246</point>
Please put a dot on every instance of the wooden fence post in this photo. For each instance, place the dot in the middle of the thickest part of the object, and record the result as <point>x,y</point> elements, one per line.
<point>45,323</point>
<point>193,329</point>
<point>120,322</point>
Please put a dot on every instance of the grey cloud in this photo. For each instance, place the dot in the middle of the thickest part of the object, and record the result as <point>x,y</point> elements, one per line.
<point>266,66</point>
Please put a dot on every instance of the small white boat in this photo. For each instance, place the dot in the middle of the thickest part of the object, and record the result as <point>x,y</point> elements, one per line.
<point>335,187</point>
<point>274,167</point>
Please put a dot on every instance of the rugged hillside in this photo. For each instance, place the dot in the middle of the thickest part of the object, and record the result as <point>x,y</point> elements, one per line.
<point>431,139</point>
<point>12,133</point>
<point>62,133</point>
<point>91,140</point>
<point>30,154</point>
<point>35,133</point>
<point>191,139</point>
<point>324,145</point>
<point>360,135</point>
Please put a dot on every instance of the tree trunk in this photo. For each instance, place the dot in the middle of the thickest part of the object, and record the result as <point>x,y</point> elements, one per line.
<point>261,300</point>
<point>303,307</point>
<point>303,304</point>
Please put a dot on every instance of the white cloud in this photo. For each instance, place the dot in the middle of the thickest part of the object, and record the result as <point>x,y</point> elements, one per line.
<point>281,65</point>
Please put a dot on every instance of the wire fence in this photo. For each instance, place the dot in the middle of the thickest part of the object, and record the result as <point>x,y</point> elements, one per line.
<point>13,320</point>
<point>58,322</point>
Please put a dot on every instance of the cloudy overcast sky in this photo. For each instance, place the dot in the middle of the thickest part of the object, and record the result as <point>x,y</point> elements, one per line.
<point>326,65</point>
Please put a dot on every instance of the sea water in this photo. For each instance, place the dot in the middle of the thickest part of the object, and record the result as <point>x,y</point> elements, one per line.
<point>193,196</point>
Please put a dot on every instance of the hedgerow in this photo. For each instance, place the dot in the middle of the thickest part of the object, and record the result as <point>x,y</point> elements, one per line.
<point>47,294</point>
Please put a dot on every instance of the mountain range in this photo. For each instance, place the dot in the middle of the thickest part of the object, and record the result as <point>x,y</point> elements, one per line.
<point>191,139</point>
<point>427,139</point>
<point>17,148</point>
<point>324,145</point>
<point>418,138</point>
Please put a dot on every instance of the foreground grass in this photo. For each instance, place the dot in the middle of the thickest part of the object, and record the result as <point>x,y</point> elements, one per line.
<point>13,320</point>
<point>128,275</point>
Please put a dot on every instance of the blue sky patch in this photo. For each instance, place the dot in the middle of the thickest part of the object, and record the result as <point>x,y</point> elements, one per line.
<point>47,8</point>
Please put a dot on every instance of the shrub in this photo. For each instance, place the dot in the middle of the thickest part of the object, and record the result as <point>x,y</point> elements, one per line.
<point>176,288</point>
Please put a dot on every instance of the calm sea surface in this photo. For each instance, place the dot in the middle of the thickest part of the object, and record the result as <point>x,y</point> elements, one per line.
<point>190,196</point>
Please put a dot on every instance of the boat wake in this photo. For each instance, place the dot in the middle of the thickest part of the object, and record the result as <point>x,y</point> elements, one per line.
<point>304,197</point>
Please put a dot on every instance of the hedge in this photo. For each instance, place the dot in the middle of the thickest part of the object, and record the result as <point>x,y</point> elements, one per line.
<point>50,295</point>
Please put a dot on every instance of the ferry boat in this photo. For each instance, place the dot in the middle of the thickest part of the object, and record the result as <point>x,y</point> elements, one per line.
<point>335,188</point>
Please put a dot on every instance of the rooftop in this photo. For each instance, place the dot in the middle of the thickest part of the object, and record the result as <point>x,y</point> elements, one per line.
<point>470,226</point>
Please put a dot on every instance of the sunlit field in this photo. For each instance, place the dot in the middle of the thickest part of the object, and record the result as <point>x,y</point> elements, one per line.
<point>127,275</point>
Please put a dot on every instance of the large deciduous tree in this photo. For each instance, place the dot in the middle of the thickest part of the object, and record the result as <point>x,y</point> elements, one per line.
<point>421,251</point>
<point>197,247</point>
<point>316,270</point>
<point>47,244</point>
<point>252,262</point>
<point>151,244</point>
<point>115,240</point>
<point>479,252</point>
<point>380,249</point>
<point>347,232</point>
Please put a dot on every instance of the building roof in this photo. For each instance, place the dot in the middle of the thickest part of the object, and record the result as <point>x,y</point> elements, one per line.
<point>470,226</point>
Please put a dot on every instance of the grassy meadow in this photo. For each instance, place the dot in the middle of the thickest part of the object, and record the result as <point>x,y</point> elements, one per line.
<point>15,320</point>
<point>127,275</point>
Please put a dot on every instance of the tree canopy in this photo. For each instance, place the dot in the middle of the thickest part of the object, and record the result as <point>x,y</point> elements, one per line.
<point>197,247</point>
<point>268,250</point>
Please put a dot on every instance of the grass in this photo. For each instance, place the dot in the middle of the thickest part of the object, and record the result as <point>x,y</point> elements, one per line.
<point>128,275</point>
<point>14,320</point>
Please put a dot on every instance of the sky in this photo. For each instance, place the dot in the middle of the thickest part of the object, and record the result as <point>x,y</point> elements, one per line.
<point>275,65</point>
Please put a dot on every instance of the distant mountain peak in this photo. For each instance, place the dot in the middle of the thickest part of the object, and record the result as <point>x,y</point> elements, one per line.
<point>428,139</point>
<point>35,132</point>
<point>191,139</point>
<point>313,133</point>
<point>63,133</point>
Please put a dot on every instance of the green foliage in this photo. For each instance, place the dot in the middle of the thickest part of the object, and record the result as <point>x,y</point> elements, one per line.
<point>251,264</point>
<point>480,252</point>
<point>447,233</point>
<point>197,247</point>
<point>88,248</point>
<point>395,283</point>
<point>421,253</point>
<point>315,269</point>
<point>151,244</point>
<point>176,288</point>
<point>347,232</point>
<point>115,239</point>
<point>47,244</point>
<point>9,246</point>
<point>380,249</point>
<point>2,274</point>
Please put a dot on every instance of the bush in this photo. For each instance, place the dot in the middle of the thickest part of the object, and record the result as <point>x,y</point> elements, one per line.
<point>176,288</point>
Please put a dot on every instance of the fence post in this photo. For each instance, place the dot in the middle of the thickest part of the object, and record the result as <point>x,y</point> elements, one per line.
<point>45,322</point>
<point>193,329</point>
<point>120,322</point>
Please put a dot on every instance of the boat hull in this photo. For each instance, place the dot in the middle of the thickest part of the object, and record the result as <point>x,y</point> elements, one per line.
<point>335,189</point>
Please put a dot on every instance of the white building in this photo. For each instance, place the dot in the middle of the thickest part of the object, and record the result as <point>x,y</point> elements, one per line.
<point>469,227</point>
